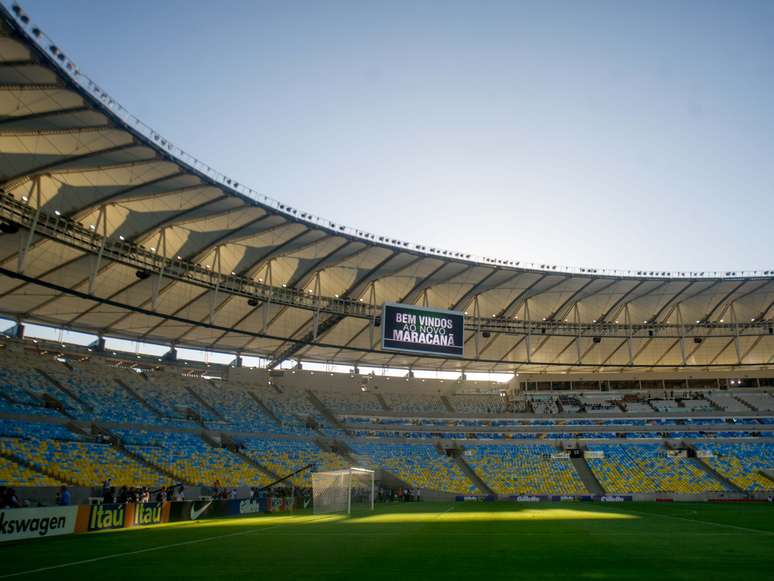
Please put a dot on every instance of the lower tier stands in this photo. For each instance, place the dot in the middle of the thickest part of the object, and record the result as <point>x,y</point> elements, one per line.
<point>742,463</point>
<point>192,460</point>
<point>417,465</point>
<point>647,468</point>
<point>82,463</point>
<point>14,474</point>
<point>514,470</point>
<point>45,454</point>
<point>283,457</point>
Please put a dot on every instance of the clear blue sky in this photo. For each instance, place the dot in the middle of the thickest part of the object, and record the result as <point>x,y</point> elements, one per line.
<point>609,134</point>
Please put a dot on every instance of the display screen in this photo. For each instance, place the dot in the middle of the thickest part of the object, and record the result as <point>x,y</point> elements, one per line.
<point>422,330</point>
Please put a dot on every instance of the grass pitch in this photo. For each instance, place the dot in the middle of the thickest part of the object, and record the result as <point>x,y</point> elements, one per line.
<point>426,541</point>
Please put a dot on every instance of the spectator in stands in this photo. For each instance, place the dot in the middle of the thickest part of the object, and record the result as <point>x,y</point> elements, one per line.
<point>123,495</point>
<point>180,494</point>
<point>64,496</point>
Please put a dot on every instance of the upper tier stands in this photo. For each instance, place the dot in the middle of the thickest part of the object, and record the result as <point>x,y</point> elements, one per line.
<point>727,402</point>
<point>98,394</point>
<point>414,403</point>
<point>761,402</point>
<point>364,402</point>
<point>479,404</point>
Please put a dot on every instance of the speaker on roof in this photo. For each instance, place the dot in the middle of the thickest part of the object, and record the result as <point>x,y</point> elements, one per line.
<point>597,339</point>
<point>486,334</point>
<point>252,302</point>
<point>697,340</point>
<point>142,274</point>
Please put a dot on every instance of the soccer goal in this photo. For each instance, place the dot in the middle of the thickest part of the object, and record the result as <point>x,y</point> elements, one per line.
<point>342,490</point>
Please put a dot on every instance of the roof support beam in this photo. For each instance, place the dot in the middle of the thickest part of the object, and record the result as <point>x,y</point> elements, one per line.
<point>674,300</point>
<point>475,290</point>
<point>558,310</point>
<point>429,282</point>
<point>49,167</point>
<point>282,354</point>
<point>43,115</point>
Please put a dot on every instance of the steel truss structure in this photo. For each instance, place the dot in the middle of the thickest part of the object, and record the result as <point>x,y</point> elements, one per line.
<point>109,228</point>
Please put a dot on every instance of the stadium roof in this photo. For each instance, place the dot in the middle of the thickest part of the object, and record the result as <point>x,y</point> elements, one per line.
<point>108,227</point>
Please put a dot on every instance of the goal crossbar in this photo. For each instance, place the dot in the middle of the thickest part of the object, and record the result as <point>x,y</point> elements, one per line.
<point>338,490</point>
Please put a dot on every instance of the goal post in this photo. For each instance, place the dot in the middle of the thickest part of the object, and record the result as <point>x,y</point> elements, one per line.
<point>342,490</point>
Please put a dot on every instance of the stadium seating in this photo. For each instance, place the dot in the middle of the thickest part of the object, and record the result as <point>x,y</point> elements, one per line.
<point>85,463</point>
<point>414,402</point>
<point>286,456</point>
<point>293,408</point>
<point>628,468</point>
<point>727,402</point>
<point>192,460</point>
<point>527,469</point>
<point>762,402</point>
<point>240,411</point>
<point>99,394</point>
<point>363,402</point>
<point>159,414</point>
<point>24,390</point>
<point>13,474</point>
<point>478,404</point>
<point>418,465</point>
<point>741,463</point>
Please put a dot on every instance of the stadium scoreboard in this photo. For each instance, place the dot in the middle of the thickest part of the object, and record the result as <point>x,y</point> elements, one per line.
<point>421,330</point>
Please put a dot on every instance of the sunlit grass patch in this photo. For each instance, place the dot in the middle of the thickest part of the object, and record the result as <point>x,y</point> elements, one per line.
<point>528,514</point>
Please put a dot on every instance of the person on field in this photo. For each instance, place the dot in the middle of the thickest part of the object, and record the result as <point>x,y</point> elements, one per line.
<point>64,496</point>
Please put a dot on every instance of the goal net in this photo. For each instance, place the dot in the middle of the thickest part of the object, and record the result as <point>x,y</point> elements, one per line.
<point>343,490</point>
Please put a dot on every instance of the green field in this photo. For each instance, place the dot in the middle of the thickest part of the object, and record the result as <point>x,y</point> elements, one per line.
<point>426,541</point>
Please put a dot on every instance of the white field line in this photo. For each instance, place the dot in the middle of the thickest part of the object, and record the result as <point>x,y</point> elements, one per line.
<point>147,550</point>
<point>704,522</point>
